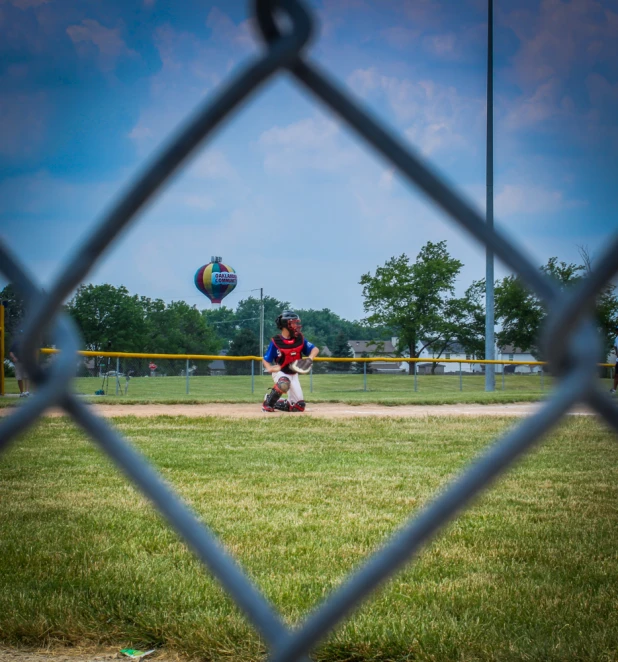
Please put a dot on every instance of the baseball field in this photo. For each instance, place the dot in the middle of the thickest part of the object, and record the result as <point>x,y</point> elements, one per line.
<point>530,572</point>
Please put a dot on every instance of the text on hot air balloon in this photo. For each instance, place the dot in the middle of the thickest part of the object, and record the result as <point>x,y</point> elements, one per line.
<point>224,277</point>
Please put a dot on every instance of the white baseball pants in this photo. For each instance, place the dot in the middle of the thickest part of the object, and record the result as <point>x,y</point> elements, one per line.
<point>295,394</point>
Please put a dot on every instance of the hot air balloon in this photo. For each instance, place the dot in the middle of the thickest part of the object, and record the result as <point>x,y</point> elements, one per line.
<point>216,280</point>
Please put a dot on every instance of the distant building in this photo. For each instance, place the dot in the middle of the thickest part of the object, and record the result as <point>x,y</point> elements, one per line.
<point>510,353</point>
<point>379,348</point>
<point>456,353</point>
<point>217,367</point>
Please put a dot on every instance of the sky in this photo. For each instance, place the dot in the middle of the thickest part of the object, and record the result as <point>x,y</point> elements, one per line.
<point>284,192</point>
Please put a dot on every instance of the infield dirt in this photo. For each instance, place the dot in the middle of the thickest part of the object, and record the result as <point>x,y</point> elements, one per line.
<point>321,410</point>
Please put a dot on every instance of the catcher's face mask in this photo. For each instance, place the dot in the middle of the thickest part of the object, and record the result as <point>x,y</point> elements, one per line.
<point>294,326</point>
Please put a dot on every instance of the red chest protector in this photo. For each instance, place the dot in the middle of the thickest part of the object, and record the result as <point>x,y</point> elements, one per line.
<point>288,350</point>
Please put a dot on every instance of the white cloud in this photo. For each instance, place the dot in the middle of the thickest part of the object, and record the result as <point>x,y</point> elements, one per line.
<point>558,42</point>
<point>309,143</point>
<point>228,32</point>
<point>435,116</point>
<point>400,37</point>
<point>520,199</point>
<point>108,42</point>
<point>561,36</point>
<point>201,202</point>
<point>386,180</point>
<point>212,164</point>
<point>441,45</point>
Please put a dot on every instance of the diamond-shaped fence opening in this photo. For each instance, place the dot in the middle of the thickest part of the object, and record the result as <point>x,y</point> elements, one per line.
<point>573,352</point>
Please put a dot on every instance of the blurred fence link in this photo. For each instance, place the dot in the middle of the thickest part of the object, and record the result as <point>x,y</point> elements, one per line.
<point>571,343</point>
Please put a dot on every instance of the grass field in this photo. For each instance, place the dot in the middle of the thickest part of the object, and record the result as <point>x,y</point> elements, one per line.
<point>386,389</point>
<point>531,572</point>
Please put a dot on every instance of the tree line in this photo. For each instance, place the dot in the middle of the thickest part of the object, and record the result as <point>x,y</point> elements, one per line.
<point>417,300</point>
<point>112,319</point>
<point>412,299</point>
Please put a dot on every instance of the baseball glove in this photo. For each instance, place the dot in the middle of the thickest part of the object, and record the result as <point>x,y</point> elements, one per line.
<point>302,366</point>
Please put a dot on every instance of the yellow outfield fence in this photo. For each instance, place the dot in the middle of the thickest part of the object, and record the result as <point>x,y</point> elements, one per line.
<point>329,359</point>
<point>122,372</point>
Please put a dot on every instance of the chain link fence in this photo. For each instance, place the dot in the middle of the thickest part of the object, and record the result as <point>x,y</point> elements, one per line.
<point>571,340</point>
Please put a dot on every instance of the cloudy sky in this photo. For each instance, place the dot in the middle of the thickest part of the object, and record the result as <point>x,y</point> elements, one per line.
<point>284,192</point>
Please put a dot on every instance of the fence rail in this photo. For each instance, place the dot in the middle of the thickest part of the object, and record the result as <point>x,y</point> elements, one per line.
<point>571,342</point>
<point>329,359</point>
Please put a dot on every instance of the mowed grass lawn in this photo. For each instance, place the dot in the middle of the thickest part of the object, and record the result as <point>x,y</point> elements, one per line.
<point>529,573</point>
<point>349,388</point>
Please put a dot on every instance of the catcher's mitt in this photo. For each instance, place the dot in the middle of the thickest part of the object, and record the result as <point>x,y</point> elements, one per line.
<point>302,366</point>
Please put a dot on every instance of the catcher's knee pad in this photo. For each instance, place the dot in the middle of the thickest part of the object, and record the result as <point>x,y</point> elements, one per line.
<point>284,384</point>
<point>298,406</point>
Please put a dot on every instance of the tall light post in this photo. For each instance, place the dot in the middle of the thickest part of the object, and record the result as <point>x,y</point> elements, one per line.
<point>261,318</point>
<point>490,352</point>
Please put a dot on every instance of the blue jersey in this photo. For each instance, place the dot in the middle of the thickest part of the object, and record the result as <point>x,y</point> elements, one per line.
<point>271,353</point>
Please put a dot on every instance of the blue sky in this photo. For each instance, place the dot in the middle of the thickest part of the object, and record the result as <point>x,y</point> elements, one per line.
<point>284,192</point>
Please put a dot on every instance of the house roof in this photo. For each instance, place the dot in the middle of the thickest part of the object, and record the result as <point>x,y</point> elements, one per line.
<point>510,349</point>
<point>370,347</point>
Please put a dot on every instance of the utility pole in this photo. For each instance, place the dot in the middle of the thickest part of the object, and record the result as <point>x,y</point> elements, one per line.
<point>261,321</point>
<point>490,353</point>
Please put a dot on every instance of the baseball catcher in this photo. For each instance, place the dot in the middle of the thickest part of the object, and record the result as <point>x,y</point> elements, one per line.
<point>284,361</point>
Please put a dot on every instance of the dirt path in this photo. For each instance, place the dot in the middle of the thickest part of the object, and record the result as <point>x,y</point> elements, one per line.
<point>321,410</point>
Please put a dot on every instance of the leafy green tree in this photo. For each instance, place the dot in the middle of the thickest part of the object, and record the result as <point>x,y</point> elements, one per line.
<point>521,314</point>
<point>248,316</point>
<point>463,324</point>
<point>223,321</point>
<point>322,326</point>
<point>14,312</point>
<point>413,298</point>
<point>245,343</point>
<point>606,306</point>
<point>341,349</point>
<point>108,318</point>
<point>178,328</point>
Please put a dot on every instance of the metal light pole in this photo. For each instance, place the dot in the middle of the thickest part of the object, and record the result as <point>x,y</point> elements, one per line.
<point>261,318</point>
<point>490,353</point>
<point>261,321</point>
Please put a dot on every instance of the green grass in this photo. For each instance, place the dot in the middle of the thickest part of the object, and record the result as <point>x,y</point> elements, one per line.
<point>385,389</point>
<point>531,572</point>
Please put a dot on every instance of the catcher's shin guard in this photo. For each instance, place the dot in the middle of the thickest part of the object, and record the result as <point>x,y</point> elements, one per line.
<point>298,406</point>
<point>282,386</point>
<point>282,405</point>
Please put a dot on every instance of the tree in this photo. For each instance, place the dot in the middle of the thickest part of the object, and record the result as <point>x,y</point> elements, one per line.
<point>223,321</point>
<point>341,349</point>
<point>14,312</point>
<point>248,315</point>
<point>322,326</point>
<point>521,314</point>
<point>606,308</point>
<point>109,318</point>
<point>412,298</point>
<point>245,343</point>
<point>177,328</point>
<point>463,324</point>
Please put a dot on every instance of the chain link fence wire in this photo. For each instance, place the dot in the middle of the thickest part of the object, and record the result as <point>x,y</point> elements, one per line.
<point>571,340</point>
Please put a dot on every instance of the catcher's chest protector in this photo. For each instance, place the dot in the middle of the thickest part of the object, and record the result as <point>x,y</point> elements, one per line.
<point>288,350</point>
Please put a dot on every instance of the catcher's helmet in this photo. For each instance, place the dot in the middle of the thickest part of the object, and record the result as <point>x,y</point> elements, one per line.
<point>289,320</point>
